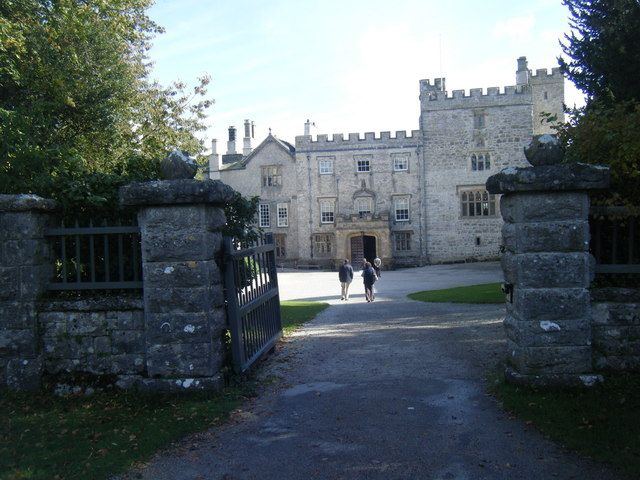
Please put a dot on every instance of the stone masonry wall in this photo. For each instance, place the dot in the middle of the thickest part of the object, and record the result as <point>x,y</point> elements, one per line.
<point>169,338</point>
<point>25,269</point>
<point>248,181</point>
<point>451,137</point>
<point>97,336</point>
<point>381,185</point>
<point>615,326</point>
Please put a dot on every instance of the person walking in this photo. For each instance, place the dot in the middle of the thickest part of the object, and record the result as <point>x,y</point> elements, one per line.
<point>369,278</point>
<point>377,264</point>
<point>345,275</point>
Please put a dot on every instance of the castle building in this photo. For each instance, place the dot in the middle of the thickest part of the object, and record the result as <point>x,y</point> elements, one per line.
<point>408,199</point>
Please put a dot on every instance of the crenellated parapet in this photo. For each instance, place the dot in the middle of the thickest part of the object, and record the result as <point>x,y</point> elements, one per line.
<point>542,76</point>
<point>432,98</point>
<point>355,141</point>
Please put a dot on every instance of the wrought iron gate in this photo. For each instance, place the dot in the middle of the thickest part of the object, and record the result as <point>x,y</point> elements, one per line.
<point>253,301</point>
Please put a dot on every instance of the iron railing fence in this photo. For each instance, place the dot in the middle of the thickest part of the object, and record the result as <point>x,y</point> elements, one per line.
<point>102,257</point>
<point>615,240</point>
<point>253,301</point>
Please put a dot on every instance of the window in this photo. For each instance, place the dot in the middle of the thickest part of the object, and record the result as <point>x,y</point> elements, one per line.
<point>478,203</point>
<point>363,206</point>
<point>283,214</point>
<point>271,176</point>
<point>264,217</point>
<point>403,241</point>
<point>480,161</point>
<point>478,119</point>
<point>322,245</point>
<point>279,240</point>
<point>400,162</point>
<point>363,163</point>
<point>401,207</point>
<point>325,165</point>
<point>326,211</point>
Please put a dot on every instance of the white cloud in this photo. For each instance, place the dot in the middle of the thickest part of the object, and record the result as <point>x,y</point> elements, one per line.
<point>515,26</point>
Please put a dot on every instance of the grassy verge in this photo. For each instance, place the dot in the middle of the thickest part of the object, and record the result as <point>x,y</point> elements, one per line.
<point>296,313</point>
<point>485,293</point>
<point>46,437</point>
<point>602,423</point>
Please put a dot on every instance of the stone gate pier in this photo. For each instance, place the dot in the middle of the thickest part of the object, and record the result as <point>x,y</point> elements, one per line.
<point>547,266</point>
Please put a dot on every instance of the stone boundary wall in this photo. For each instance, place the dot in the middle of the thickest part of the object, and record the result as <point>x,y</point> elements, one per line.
<point>97,336</point>
<point>168,338</point>
<point>615,327</point>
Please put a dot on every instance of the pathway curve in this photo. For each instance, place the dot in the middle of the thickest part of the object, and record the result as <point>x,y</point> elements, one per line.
<point>387,390</point>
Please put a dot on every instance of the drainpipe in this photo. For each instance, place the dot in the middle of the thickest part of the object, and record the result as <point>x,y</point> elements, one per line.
<point>310,205</point>
<point>423,205</point>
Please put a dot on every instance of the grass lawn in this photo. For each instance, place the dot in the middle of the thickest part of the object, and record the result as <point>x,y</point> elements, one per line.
<point>485,293</point>
<point>602,423</point>
<point>296,313</point>
<point>46,437</point>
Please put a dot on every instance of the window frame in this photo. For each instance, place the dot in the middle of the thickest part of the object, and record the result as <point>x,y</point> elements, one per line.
<point>261,212</point>
<point>360,166</point>
<point>280,245</point>
<point>396,209</point>
<point>271,176</point>
<point>480,161</point>
<point>406,242</point>
<point>325,160</point>
<point>479,201</point>
<point>324,239</point>
<point>331,210</point>
<point>285,208</point>
<point>368,211</point>
<point>403,157</point>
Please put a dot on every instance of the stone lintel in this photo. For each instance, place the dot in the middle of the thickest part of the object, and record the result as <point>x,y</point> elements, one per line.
<point>172,192</point>
<point>26,202</point>
<point>553,380</point>
<point>547,178</point>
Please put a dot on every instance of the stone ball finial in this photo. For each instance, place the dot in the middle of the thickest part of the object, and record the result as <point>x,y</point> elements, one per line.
<point>544,150</point>
<point>178,164</point>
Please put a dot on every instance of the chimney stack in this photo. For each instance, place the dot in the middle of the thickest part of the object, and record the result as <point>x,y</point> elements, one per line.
<point>246,141</point>
<point>231,144</point>
<point>214,161</point>
<point>522,74</point>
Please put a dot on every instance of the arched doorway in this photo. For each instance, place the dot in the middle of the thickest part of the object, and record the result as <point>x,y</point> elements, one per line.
<point>363,247</point>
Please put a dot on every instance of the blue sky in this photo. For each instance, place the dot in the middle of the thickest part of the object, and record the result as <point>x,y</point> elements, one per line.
<point>350,65</point>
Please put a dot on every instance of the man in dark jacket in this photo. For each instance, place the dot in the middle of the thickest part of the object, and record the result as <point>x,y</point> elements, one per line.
<point>369,277</point>
<point>345,274</point>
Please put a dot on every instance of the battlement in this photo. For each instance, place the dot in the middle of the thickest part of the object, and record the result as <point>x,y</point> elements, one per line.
<point>543,72</point>
<point>542,76</point>
<point>432,99</point>
<point>356,141</point>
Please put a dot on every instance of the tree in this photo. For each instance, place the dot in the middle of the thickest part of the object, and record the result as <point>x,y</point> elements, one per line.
<point>78,113</point>
<point>603,51</point>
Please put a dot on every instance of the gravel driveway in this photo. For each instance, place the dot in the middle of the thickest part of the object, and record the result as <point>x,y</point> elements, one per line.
<point>388,390</point>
